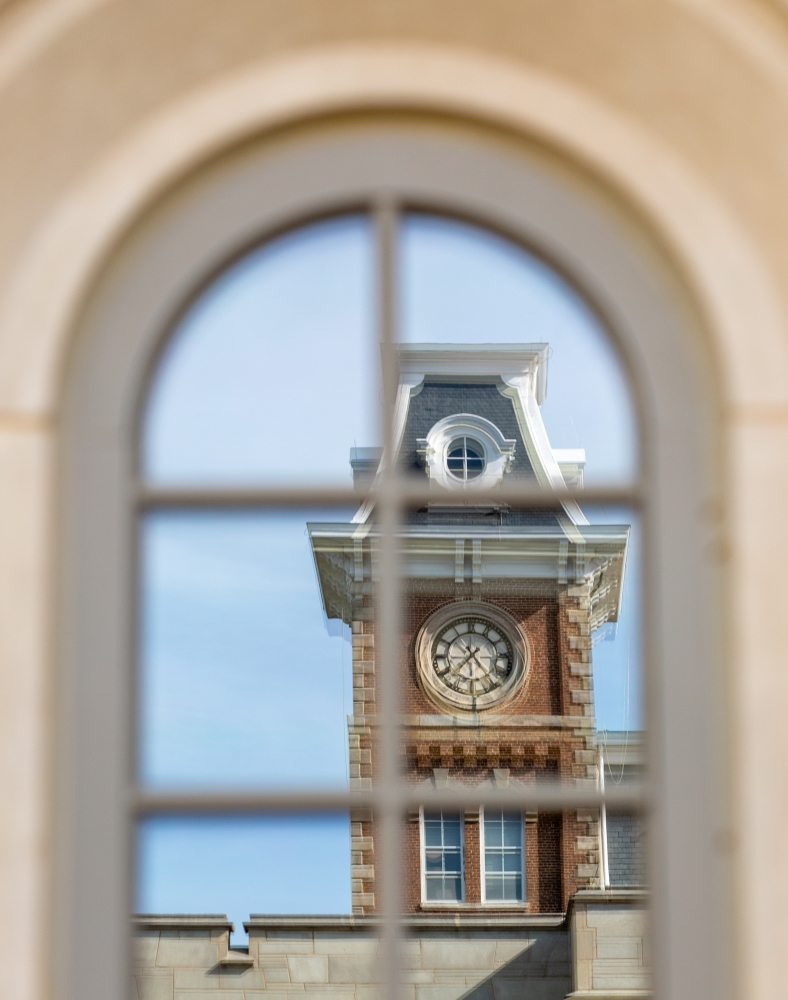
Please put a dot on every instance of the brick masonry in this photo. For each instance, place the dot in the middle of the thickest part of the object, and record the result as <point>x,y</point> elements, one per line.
<point>543,732</point>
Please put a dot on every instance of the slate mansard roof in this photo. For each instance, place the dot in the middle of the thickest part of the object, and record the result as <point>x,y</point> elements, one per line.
<point>491,393</point>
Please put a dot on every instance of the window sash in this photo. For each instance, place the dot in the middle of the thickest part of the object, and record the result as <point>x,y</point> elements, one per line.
<point>503,869</point>
<point>442,838</point>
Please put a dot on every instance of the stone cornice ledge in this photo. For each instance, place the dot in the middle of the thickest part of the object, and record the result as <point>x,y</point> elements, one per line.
<point>417,921</point>
<point>186,921</point>
<point>472,721</point>
<point>610,995</point>
<point>608,896</point>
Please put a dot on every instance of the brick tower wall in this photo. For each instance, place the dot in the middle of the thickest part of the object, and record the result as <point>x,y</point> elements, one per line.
<point>544,732</point>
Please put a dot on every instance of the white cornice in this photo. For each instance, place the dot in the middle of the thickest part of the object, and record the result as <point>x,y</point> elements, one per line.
<point>474,361</point>
<point>589,555</point>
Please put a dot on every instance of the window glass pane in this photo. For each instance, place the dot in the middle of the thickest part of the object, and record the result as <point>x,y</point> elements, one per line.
<point>258,629</point>
<point>509,622</point>
<point>453,861</point>
<point>464,285</point>
<point>434,861</point>
<point>512,834</point>
<point>452,832</point>
<point>503,856</point>
<point>244,681</point>
<point>444,889</point>
<point>495,888</point>
<point>453,889</point>
<point>432,833</point>
<point>513,889</point>
<point>492,832</point>
<point>271,375</point>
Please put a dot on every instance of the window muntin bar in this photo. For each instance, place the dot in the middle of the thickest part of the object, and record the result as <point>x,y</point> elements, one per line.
<point>409,493</point>
<point>635,796</point>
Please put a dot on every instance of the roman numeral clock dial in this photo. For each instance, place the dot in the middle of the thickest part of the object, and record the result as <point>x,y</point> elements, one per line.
<point>471,656</point>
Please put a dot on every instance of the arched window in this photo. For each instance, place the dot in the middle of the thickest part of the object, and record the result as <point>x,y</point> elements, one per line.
<point>498,355</point>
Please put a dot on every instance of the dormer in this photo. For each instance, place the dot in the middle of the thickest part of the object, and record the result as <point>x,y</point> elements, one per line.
<point>465,449</point>
<point>470,414</point>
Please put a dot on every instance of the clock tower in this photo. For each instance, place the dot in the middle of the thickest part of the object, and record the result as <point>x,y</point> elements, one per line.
<point>500,608</point>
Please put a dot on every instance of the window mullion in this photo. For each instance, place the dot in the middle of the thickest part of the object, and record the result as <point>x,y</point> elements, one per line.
<point>386,611</point>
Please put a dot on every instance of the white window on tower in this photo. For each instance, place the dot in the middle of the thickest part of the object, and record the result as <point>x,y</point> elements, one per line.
<point>443,863</point>
<point>503,868</point>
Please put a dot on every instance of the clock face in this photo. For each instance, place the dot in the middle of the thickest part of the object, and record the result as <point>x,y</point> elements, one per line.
<point>472,656</point>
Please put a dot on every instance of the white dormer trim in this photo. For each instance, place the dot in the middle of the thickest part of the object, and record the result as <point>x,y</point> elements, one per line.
<point>572,463</point>
<point>519,388</point>
<point>464,363</point>
<point>498,450</point>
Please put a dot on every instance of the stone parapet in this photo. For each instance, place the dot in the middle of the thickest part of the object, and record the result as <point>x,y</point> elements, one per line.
<point>599,951</point>
<point>444,957</point>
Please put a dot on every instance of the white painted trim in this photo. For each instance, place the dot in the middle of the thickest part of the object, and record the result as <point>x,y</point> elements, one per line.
<point>409,386</point>
<point>571,462</point>
<point>605,874</point>
<point>471,361</point>
<point>519,389</point>
<point>430,552</point>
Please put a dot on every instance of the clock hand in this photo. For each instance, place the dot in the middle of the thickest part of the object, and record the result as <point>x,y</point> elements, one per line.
<point>461,665</point>
<point>478,661</point>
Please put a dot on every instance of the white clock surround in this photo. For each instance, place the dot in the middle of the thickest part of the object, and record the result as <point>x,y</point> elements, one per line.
<point>430,635</point>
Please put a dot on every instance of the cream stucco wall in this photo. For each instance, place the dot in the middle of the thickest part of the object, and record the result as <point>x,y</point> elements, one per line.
<point>680,106</point>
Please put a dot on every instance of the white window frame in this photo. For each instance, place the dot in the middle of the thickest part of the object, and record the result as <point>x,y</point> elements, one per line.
<point>502,904</point>
<point>440,903</point>
<point>189,235</point>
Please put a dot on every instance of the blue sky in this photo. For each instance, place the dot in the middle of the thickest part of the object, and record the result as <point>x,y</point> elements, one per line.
<point>273,376</point>
<point>241,683</point>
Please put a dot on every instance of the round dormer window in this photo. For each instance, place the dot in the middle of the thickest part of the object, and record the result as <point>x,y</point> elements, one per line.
<point>465,459</point>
